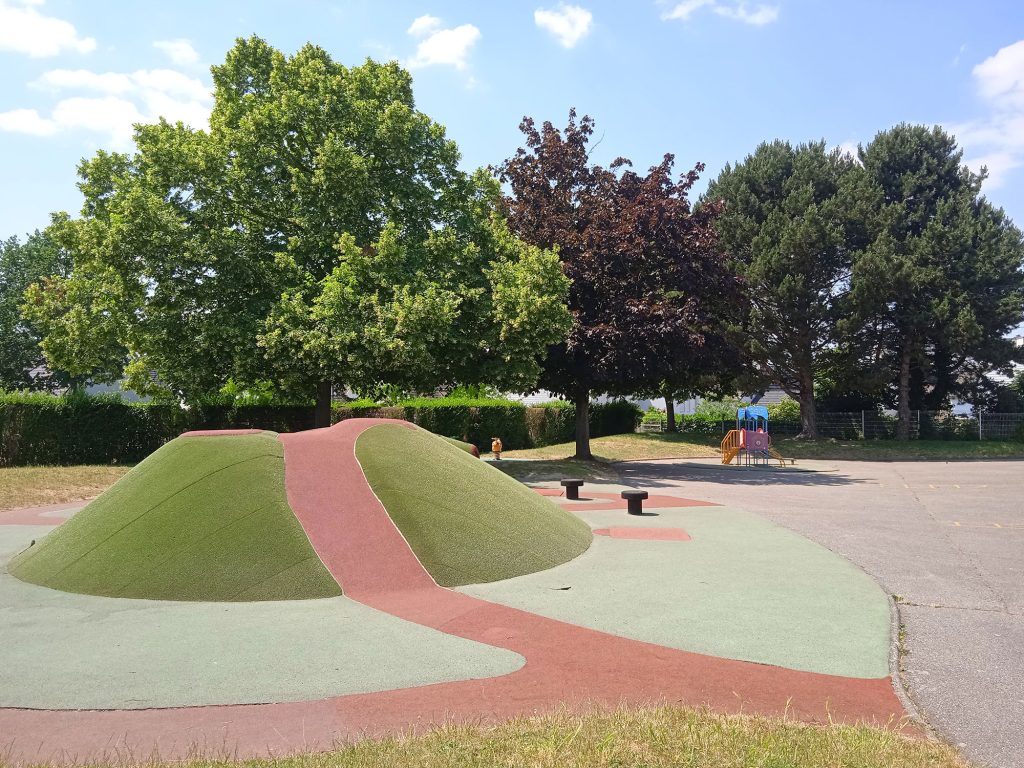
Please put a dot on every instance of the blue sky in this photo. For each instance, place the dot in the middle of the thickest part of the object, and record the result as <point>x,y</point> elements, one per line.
<point>704,79</point>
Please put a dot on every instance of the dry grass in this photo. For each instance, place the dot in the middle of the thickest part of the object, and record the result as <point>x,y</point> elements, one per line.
<point>647,738</point>
<point>632,446</point>
<point>639,446</point>
<point>36,486</point>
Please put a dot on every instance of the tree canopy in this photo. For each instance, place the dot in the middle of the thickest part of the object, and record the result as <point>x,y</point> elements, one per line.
<point>320,232</point>
<point>21,265</point>
<point>650,289</point>
<point>789,227</point>
<point>941,281</point>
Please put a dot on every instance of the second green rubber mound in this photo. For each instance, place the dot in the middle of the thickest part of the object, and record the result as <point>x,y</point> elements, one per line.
<point>467,522</point>
<point>202,518</point>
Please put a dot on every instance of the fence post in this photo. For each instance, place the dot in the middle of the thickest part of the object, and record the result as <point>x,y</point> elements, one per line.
<point>981,435</point>
<point>918,423</point>
<point>863,428</point>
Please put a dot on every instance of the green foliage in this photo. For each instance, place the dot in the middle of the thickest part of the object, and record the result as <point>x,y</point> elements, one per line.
<point>77,429</point>
<point>654,416</point>
<point>786,410</point>
<point>21,265</point>
<point>38,428</point>
<point>940,282</point>
<point>718,410</point>
<point>614,418</point>
<point>319,231</point>
<point>467,522</point>
<point>203,518</point>
<point>789,225</point>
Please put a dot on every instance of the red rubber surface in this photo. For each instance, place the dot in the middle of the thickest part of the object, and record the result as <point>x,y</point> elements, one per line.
<point>615,501</point>
<point>35,516</point>
<point>566,665</point>
<point>644,534</point>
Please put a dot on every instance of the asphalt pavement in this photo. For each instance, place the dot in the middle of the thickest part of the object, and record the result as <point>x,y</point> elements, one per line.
<point>946,539</point>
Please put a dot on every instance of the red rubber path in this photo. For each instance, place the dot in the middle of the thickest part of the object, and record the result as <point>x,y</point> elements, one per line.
<point>565,664</point>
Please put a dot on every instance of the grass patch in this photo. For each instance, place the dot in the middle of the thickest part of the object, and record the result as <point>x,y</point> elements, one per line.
<point>646,738</point>
<point>892,450</point>
<point>467,522</point>
<point>638,446</point>
<point>36,486</point>
<point>632,446</point>
<point>202,518</point>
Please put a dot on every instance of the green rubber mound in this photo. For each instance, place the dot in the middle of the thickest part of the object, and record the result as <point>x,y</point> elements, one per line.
<point>202,518</point>
<point>467,522</point>
<point>464,446</point>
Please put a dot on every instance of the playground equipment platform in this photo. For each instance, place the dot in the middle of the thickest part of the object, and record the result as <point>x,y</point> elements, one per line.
<point>750,441</point>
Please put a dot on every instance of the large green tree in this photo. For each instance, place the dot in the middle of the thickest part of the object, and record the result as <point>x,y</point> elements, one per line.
<point>650,289</point>
<point>21,265</point>
<point>319,235</point>
<point>789,226</point>
<point>941,282</point>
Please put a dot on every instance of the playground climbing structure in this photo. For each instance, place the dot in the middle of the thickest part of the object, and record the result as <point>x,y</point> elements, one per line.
<point>750,444</point>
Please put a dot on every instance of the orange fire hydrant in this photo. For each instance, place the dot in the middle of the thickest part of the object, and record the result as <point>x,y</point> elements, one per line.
<point>496,447</point>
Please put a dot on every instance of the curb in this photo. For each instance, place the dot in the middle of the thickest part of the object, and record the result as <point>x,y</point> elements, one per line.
<point>899,685</point>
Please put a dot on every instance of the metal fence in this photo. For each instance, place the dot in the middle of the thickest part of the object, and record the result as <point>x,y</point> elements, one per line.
<point>875,425</point>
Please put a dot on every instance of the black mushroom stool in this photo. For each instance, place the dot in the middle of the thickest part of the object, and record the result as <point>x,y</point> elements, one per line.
<point>634,501</point>
<point>572,488</point>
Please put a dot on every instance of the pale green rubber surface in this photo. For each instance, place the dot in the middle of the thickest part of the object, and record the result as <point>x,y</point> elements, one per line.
<point>60,650</point>
<point>743,588</point>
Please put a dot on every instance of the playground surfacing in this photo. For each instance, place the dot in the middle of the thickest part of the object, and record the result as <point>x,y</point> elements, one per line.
<point>642,621</point>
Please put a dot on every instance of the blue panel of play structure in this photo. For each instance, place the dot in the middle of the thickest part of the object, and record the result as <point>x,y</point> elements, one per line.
<point>755,411</point>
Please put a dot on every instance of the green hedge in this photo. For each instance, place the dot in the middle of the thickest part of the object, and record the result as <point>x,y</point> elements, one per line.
<point>44,429</point>
<point>518,426</point>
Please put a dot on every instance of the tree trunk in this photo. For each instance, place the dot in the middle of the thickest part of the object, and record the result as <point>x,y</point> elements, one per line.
<point>583,425</point>
<point>903,404</point>
<point>808,410</point>
<point>322,414</point>
<point>670,413</point>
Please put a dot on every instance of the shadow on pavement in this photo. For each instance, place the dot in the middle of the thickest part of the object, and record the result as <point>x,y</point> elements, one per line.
<point>649,473</point>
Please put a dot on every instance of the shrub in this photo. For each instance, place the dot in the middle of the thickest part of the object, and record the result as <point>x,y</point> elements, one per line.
<point>787,410</point>
<point>614,418</point>
<point>78,429</point>
<point>655,416</point>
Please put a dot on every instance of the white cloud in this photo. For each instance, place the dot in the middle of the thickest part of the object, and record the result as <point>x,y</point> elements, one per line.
<point>110,103</point>
<point>424,25</point>
<point>998,164</point>
<point>997,140</point>
<point>441,46</point>
<point>1000,78</point>
<point>23,29</point>
<point>757,15</point>
<point>180,51</point>
<point>568,23</point>
<point>26,121</point>
<point>682,11</point>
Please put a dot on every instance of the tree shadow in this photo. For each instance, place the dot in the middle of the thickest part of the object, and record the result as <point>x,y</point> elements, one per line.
<point>660,475</point>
